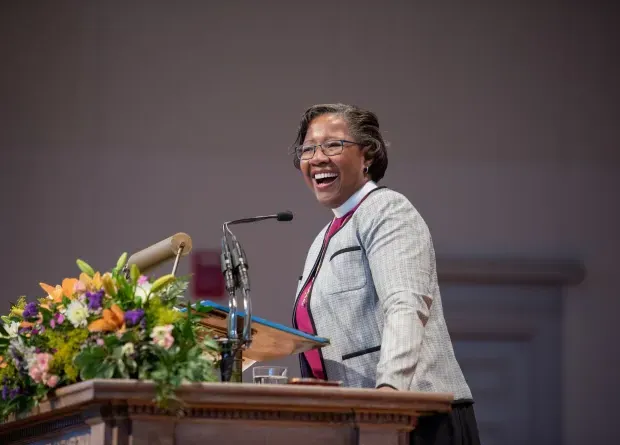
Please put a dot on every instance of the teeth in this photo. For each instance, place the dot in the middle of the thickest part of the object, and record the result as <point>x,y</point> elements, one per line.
<point>325,175</point>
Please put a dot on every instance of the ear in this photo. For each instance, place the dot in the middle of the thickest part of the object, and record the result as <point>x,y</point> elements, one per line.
<point>366,152</point>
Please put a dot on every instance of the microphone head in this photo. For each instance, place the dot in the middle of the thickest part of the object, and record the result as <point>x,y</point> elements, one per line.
<point>285,216</point>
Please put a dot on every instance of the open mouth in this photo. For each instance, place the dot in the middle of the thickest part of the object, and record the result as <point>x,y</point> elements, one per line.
<point>325,179</point>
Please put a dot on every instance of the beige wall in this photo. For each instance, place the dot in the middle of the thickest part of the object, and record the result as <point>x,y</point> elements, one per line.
<point>122,124</point>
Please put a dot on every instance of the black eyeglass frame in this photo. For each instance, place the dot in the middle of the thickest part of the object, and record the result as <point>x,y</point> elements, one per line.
<point>300,149</point>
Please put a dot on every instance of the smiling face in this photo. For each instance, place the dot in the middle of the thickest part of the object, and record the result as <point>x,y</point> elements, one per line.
<point>333,179</point>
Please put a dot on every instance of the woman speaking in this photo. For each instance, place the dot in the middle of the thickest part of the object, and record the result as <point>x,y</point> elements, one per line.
<point>369,282</point>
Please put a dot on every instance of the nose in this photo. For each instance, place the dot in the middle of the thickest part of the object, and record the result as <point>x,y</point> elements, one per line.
<point>319,157</point>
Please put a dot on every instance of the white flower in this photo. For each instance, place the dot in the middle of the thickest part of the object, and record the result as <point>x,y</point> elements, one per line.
<point>27,352</point>
<point>128,349</point>
<point>77,313</point>
<point>12,329</point>
<point>142,291</point>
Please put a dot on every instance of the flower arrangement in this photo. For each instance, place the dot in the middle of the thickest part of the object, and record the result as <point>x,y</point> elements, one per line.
<point>102,326</point>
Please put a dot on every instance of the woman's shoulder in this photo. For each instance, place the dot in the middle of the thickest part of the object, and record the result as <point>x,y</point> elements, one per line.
<point>384,200</point>
<point>385,209</point>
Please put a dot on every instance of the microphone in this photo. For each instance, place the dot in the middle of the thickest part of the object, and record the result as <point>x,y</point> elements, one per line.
<point>153,256</point>
<point>231,284</point>
<point>280,216</point>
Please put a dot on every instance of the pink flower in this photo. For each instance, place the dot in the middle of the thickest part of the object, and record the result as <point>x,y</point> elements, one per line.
<point>52,380</point>
<point>35,373</point>
<point>42,360</point>
<point>162,336</point>
<point>52,323</point>
<point>60,318</point>
<point>100,342</point>
<point>143,279</point>
<point>39,366</point>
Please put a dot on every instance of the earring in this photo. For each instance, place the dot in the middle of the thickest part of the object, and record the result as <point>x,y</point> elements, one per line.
<point>365,170</point>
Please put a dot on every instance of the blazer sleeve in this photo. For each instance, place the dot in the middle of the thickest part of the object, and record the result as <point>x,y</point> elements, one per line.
<point>398,247</point>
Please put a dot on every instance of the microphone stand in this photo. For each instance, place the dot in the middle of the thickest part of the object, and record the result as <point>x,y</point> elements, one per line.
<point>235,270</point>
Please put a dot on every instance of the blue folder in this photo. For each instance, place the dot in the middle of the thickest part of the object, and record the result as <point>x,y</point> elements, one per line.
<point>269,340</point>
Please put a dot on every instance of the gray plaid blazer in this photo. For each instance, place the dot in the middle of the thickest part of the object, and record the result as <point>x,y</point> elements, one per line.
<point>376,297</point>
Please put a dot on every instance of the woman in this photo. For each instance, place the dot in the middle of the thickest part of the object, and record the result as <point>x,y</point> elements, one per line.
<point>369,283</point>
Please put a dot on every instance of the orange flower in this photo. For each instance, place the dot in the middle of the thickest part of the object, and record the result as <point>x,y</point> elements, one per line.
<point>3,363</point>
<point>56,293</point>
<point>112,320</point>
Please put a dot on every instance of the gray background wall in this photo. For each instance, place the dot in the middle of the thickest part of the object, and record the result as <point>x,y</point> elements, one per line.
<point>122,123</point>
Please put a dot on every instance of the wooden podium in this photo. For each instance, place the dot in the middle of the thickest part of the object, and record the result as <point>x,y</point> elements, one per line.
<point>122,412</point>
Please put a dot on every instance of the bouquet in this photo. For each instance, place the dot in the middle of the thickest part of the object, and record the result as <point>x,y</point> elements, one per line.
<point>117,325</point>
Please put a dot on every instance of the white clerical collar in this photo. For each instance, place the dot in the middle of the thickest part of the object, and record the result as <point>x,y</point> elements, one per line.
<point>354,199</point>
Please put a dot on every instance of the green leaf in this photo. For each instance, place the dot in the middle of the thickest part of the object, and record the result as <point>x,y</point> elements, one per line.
<point>128,337</point>
<point>211,343</point>
<point>46,314</point>
<point>117,352</point>
<point>89,371</point>
<point>111,341</point>
<point>122,369</point>
<point>90,356</point>
<point>159,374</point>
<point>65,301</point>
<point>106,370</point>
<point>131,364</point>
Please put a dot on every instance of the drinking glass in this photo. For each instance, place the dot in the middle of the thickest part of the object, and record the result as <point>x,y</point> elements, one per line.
<point>270,374</point>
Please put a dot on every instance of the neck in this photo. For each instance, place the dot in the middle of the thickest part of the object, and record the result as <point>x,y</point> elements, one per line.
<point>354,199</point>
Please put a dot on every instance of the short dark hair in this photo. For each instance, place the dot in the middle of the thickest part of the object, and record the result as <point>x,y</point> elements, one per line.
<point>364,127</point>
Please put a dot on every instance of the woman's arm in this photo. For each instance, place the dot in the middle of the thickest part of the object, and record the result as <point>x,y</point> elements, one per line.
<point>398,246</point>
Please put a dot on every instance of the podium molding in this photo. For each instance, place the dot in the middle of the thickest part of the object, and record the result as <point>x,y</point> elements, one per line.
<point>119,412</point>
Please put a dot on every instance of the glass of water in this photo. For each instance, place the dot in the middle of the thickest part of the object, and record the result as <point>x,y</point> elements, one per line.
<point>270,374</point>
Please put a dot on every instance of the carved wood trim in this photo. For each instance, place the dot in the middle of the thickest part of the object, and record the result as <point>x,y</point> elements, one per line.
<point>113,401</point>
<point>545,272</point>
<point>40,430</point>
<point>113,413</point>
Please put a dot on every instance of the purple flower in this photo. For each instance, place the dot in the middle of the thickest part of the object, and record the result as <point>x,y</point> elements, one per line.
<point>14,393</point>
<point>133,317</point>
<point>5,392</point>
<point>30,310</point>
<point>60,318</point>
<point>94,299</point>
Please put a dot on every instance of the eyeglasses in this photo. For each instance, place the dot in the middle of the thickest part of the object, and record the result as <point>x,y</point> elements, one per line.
<point>329,148</point>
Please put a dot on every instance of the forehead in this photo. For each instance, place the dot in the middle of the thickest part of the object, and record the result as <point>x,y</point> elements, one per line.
<point>327,126</point>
